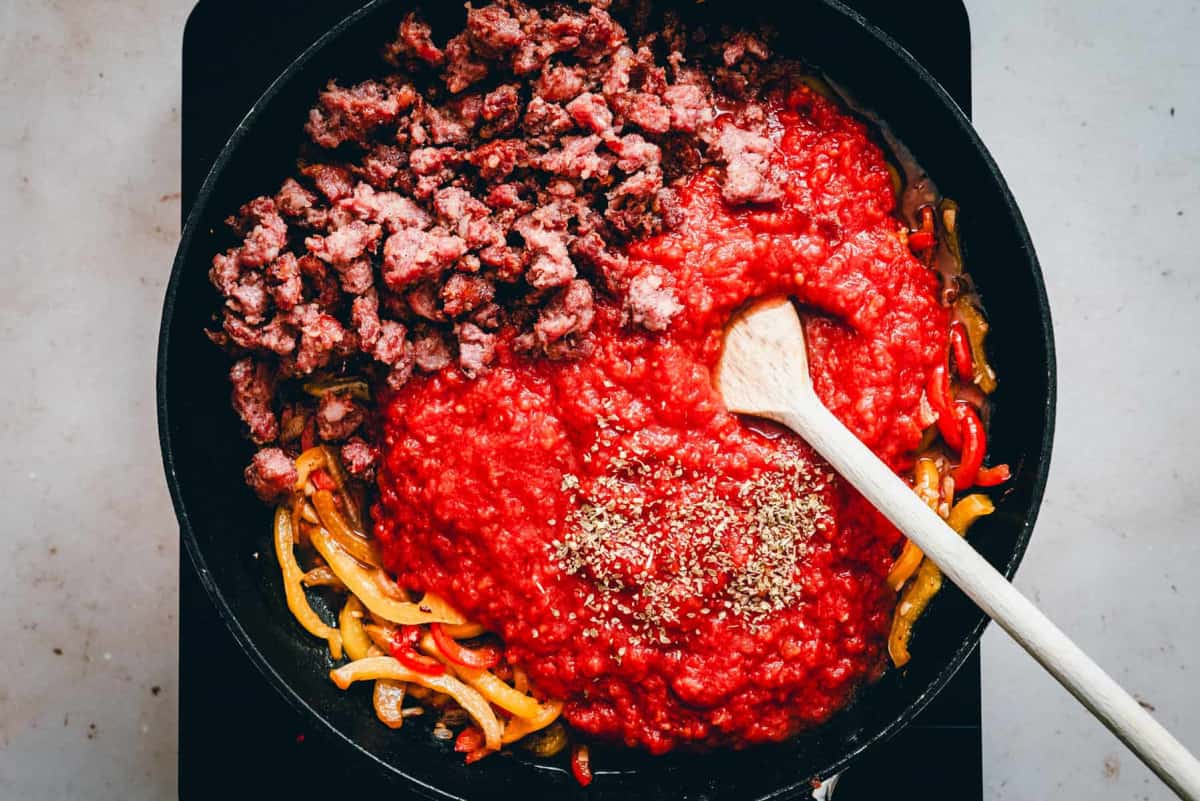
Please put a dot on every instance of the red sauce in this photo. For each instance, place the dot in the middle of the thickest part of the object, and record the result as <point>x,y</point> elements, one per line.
<point>482,479</point>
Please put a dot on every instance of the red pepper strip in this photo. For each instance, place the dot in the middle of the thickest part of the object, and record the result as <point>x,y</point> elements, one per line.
<point>960,349</point>
<point>468,740</point>
<point>581,765</point>
<point>942,402</point>
<point>920,240</point>
<point>322,481</point>
<point>476,755</point>
<point>482,658</point>
<point>404,651</point>
<point>308,437</point>
<point>991,476</point>
<point>923,238</point>
<point>974,446</point>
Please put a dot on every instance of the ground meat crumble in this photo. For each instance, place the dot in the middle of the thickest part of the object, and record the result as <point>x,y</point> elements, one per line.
<point>491,180</point>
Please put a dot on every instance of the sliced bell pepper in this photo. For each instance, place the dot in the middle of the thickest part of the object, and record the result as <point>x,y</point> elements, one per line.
<point>992,476</point>
<point>479,658</point>
<point>928,581</point>
<point>404,651</point>
<point>974,445</point>
<point>925,237</point>
<point>942,402</point>
<point>468,739</point>
<point>913,600</point>
<point>581,765</point>
<point>322,481</point>
<point>960,350</point>
<point>977,328</point>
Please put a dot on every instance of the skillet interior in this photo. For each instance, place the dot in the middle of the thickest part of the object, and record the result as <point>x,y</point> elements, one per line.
<point>223,526</point>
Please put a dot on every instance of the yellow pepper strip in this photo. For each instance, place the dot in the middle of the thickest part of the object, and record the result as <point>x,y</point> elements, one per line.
<point>906,564</point>
<point>926,486</point>
<point>916,597</point>
<point>520,727</point>
<point>486,682</point>
<point>977,328</point>
<point>352,542</point>
<point>385,667</point>
<point>928,581</point>
<point>499,693</point>
<point>310,460</point>
<point>354,637</point>
<point>968,510</point>
<point>429,609</point>
<point>297,601</point>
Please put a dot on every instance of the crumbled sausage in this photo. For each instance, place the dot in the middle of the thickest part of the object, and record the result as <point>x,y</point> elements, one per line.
<point>749,174</point>
<point>359,458</point>
<point>431,352</point>
<point>346,243</point>
<point>465,293</point>
<point>565,319</point>
<point>493,30</point>
<point>463,66</point>
<point>320,334</point>
<point>592,112</point>
<point>476,348</point>
<point>264,229</point>
<point>392,210</point>
<point>414,40</point>
<point>364,316</point>
<point>338,416</point>
<point>332,181</point>
<point>352,113</point>
<point>500,193</point>
<point>412,254</point>
<point>284,282</point>
<point>253,390</point>
<point>271,474</point>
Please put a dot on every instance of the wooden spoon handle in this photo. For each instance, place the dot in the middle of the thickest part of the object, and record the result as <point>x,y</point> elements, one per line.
<point>1074,669</point>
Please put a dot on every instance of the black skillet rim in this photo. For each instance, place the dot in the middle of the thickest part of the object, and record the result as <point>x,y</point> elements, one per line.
<point>969,642</point>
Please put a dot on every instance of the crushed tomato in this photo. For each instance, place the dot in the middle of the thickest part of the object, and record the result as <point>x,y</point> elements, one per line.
<point>478,476</point>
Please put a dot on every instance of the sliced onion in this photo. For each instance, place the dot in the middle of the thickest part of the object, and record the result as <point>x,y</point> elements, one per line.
<point>310,460</point>
<point>358,579</point>
<point>518,727</point>
<point>354,638</point>
<point>297,601</point>
<point>388,699</point>
<point>464,631</point>
<point>486,682</point>
<point>385,667</point>
<point>322,577</point>
<point>352,542</point>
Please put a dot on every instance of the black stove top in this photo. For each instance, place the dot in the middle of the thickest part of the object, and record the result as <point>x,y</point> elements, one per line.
<point>238,738</point>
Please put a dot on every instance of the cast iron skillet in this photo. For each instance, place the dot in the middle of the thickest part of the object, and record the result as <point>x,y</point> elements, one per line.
<point>226,530</point>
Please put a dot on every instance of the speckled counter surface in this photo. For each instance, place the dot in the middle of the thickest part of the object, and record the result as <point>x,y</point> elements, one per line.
<point>1092,110</point>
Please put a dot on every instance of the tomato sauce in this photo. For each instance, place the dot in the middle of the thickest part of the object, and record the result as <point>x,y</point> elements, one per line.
<point>595,512</point>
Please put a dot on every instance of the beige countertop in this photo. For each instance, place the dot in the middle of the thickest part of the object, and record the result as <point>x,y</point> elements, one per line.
<point>1092,110</point>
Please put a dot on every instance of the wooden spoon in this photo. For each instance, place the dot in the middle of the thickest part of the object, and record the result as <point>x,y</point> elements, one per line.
<point>764,372</point>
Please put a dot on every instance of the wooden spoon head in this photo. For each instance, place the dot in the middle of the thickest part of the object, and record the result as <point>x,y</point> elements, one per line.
<point>764,364</point>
